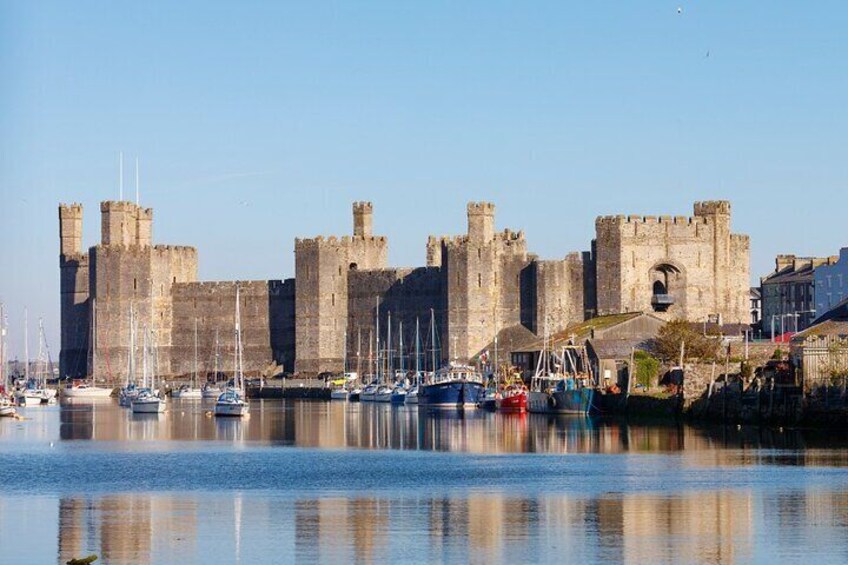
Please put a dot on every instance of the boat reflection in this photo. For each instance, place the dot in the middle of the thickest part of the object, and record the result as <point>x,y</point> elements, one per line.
<point>314,424</point>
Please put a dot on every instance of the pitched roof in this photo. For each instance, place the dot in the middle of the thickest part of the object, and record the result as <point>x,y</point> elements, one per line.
<point>614,348</point>
<point>829,327</point>
<point>581,331</point>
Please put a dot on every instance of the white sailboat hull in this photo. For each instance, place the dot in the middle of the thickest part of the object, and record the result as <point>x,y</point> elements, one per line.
<point>26,399</point>
<point>148,406</point>
<point>231,409</point>
<point>190,394</point>
<point>338,394</point>
<point>87,392</point>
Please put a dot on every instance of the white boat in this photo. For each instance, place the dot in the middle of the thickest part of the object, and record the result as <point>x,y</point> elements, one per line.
<point>148,403</point>
<point>148,400</point>
<point>186,392</point>
<point>338,394</point>
<point>82,389</point>
<point>412,395</point>
<point>384,394</point>
<point>7,410</point>
<point>232,401</point>
<point>29,397</point>
<point>190,392</point>
<point>210,391</point>
<point>369,393</point>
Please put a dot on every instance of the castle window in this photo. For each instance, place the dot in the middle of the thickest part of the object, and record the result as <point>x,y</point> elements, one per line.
<point>353,266</point>
<point>175,280</point>
<point>333,299</point>
<point>479,253</point>
<point>479,280</point>
<point>340,270</point>
<point>135,284</point>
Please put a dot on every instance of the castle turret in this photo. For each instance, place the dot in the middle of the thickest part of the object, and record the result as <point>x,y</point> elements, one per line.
<point>125,223</point>
<point>70,229</point>
<point>74,293</point>
<point>481,221</point>
<point>362,219</point>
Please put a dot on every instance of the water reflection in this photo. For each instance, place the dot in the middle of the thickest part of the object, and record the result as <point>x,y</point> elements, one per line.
<point>720,527</point>
<point>382,426</point>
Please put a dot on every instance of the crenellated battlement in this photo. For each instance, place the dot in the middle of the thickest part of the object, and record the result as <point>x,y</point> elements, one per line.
<point>712,208</point>
<point>487,208</point>
<point>620,220</point>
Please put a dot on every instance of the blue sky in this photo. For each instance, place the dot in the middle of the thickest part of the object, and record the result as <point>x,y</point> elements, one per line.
<point>256,122</point>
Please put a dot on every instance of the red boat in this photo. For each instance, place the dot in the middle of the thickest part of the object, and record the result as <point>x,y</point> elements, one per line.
<point>513,399</point>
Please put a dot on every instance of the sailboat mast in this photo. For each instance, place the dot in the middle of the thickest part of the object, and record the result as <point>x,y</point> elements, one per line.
<point>216,355</point>
<point>26,345</point>
<point>358,353</point>
<point>377,316</point>
<point>389,364</point>
<point>433,340</point>
<point>194,384</point>
<point>239,360</point>
<point>2,350</point>
<point>417,353</point>
<point>400,344</point>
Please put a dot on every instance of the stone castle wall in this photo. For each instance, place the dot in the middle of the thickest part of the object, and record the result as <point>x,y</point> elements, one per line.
<point>267,322</point>
<point>476,284</point>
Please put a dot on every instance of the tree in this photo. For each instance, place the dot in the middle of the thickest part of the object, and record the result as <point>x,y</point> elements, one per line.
<point>646,368</point>
<point>697,345</point>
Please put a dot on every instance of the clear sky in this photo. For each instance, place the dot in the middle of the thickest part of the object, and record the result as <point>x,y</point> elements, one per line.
<point>256,122</point>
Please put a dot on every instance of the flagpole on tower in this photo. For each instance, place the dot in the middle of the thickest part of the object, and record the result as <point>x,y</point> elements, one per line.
<point>136,181</point>
<point>121,174</point>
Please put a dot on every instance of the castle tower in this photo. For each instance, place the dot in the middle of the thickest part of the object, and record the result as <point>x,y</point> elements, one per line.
<point>676,267</point>
<point>74,293</point>
<point>362,219</point>
<point>321,291</point>
<point>481,221</point>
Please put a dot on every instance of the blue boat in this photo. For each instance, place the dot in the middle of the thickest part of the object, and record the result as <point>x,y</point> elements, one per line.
<point>454,386</point>
<point>561,396</point>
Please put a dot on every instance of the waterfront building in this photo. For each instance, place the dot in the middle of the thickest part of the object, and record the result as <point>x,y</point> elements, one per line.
<point>788,294</point>
<point>831,283</point>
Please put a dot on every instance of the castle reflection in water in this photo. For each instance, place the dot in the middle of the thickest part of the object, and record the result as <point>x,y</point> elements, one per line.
<point>716,523</point>
<point>706,527</point>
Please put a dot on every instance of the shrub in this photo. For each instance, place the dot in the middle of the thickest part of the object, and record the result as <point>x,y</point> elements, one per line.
<point>696,344</point>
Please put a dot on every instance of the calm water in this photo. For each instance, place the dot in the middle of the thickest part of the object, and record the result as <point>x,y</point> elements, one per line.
<point>313,481</point>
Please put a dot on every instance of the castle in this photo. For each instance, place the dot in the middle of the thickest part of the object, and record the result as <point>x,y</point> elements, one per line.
<point>473,286</point>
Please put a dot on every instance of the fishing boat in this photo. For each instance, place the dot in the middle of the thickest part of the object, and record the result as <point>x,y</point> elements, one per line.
<point>513,398</point>
<point>148,400</point>
<point>89,389</point>
<point>192,391</point>
<point>569,391</point>
<point>232,401</point>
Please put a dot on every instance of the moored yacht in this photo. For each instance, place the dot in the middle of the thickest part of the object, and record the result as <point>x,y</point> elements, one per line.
<point>232,401</point>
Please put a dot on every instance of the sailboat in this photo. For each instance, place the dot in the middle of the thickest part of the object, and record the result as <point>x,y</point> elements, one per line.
<point>190,392</point>
<point>30,394</point>
<point>83,389</point>
<point>211,391</point>
<point>130,390</point>
<point>232,401</point>
<point>412,393</point>
<point>6,408</point>
<point>148,400</point>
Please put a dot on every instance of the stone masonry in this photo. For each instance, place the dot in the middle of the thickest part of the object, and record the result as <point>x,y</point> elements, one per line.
<point>325,319</point>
